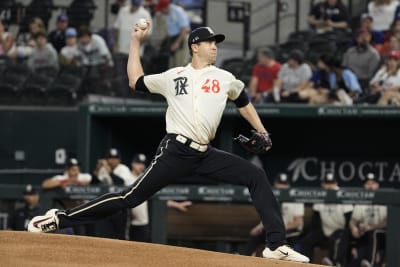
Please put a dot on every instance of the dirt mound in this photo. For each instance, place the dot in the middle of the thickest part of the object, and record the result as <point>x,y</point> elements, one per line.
<point>28,249</point>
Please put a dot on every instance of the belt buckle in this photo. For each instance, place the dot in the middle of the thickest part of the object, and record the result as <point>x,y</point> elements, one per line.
<point>181,139</point>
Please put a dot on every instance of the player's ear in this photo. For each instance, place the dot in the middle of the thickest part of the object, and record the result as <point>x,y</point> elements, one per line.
<point>194,47</point>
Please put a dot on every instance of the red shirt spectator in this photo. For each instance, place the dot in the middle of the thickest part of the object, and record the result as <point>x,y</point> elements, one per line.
<point>264,75</point>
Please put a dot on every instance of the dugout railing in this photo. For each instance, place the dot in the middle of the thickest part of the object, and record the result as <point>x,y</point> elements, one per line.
<point>234,194</point>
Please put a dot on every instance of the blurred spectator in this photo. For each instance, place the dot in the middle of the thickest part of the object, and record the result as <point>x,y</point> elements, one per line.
<point>328,15</point>
<point>367,225</point>
<point>293,78</point>
<point>70,54</point>
<point>57,36</point>
<point>362,59</point>
<point>44,54</point>
<point>292,214</point>
<point>328,227</point>
<point>385,84</point>
<point>7,44</point>
<point>177,26</point>
<point>19,220</point>
<point>139,229</point>
<point>182,206</point>
<point>393,44</point>
<point>26,41</point>
<point>93,49</point>
<point>111,171</point>
<point>382,12</point>
<point>264,74</point>
<point>126,19</point>
<point>71,176</point>
<point>334,83</point>
<point>377,37</point>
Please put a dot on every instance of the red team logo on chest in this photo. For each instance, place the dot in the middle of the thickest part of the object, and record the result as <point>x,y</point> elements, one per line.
<point>211,86</point>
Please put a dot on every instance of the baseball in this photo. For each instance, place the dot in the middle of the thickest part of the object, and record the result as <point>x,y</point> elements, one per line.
<point>142,24</point>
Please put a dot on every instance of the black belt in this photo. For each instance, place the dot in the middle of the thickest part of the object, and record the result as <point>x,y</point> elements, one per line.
<point>189,142</point>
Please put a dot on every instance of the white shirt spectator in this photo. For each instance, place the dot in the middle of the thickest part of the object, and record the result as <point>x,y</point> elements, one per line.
<point>124,24</point>
<point>84,178</point>
<point>70,52</point>
<point>382,14</point>
<point>332,216</point>
<point>385,80</point>
<point>291,78</point>
<point>95,52</point>
<point>290,211</point>
<point>43,57</point>
<point>369,214</point>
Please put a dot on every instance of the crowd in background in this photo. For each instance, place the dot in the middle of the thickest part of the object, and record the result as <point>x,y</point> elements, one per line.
<point>337,61</point>
<point>356,64</point>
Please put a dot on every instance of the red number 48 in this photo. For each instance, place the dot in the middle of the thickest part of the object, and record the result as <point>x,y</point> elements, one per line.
<point>212,85</point>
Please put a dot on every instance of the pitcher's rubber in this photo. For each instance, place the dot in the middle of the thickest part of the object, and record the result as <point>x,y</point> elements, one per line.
<point>31,249</point>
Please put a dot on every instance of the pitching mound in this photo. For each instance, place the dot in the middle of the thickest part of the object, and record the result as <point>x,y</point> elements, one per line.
<point>28,249</point>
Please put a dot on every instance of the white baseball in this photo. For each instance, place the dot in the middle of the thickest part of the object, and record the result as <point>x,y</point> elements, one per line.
<point>142,24</point>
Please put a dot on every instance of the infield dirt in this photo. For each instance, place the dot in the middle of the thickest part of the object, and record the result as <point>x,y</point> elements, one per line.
<point>28,249</point>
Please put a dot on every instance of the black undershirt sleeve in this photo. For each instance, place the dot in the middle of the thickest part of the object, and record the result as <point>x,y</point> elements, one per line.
<point>140,86</point>
<point>242,100</point>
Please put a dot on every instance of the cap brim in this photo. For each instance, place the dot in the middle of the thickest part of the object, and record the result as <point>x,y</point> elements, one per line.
<point>217,37</point>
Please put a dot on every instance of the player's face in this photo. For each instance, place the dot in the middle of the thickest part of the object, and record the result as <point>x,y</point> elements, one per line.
<point>73,172</point>
<point>31,200</point>
<point>371,185</point>
<point>281,186</point>
<point>138,167</point>
<point>113,162</point>
<point>208,51</point>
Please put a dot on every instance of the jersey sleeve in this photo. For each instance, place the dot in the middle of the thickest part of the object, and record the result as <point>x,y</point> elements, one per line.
<point>85,178</point>
<point>235,88</point>
<point>298,209</point>
<point>357,213</point>
<point>156,83</point>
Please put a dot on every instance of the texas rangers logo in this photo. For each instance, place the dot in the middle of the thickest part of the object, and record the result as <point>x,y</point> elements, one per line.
<point>180,86</point>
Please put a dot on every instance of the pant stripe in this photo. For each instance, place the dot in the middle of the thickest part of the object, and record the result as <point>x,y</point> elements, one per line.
<point>132,189</point>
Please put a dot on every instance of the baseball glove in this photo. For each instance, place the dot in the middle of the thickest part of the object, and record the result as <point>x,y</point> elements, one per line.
<point>258,143</point>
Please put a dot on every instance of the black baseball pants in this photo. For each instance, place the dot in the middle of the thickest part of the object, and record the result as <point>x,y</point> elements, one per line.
<point>174,161</point>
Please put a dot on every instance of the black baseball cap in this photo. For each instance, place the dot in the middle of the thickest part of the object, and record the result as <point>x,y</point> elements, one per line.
<point>113,153</point>
<point>370,177</point>
<point>72,162</point>
<point>202,34</point>
<point>140,158</point>
<point>329,178</point>
<point>282,178</point>
<point>30,190</point>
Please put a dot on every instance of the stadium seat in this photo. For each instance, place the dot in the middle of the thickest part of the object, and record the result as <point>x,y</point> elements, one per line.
<point>47,71</point>
<point>20,69</point>
<point>233,65</point>
<point>35,89</point>
<point>301,36</point>
<point>64,90</point>
<point>80,12</point>
<point>319,46</point>
<point>38,8</point>
<point>76,71</point>
<point>285,49</point>
<point>10,86</point>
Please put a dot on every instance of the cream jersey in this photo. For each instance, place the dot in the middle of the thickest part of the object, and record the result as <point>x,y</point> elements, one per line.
<point>140,213</point>
<point>369,214</point>
<point>196,99</point>
<point>291,210</point>
<point>332,216</point>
